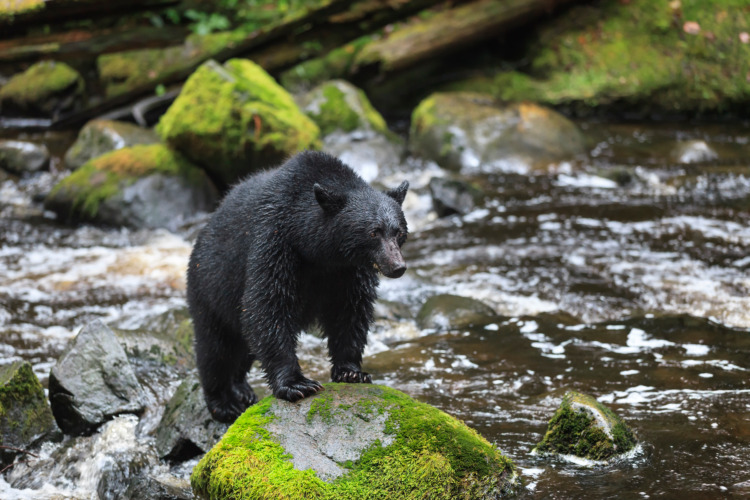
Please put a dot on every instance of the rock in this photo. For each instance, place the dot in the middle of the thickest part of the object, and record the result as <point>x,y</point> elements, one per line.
<point>443,312</point>
<point>25,415</point>
<point>146,186</point>
<point>47,88</point>
<point>98,137</point>
<point>235,119</point>
<point>158,487</point>
<point>586,428</point>
<point>19,157</point>
<point>186,428</point>
<point>451,196</point>
<point>119,471</point>
<point>353,130</point>
<point>693,152</point>
<point>352,441</point>
<point>472,132</point>
<point>92,381</point>
<point>165,340</point>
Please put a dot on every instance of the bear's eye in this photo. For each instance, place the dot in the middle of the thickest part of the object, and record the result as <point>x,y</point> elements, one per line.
<point>374,234</point>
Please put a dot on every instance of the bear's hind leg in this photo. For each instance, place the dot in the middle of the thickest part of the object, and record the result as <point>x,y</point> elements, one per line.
<point>221,356</point>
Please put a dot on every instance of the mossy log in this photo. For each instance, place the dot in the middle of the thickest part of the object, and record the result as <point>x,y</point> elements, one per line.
<point>435,34</point>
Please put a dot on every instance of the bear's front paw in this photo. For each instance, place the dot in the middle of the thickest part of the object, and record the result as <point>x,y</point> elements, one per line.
<point>350,376</point>
<point>226,408</point>
<point>297,389</point>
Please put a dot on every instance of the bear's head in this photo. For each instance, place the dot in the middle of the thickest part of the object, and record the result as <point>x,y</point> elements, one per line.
<point>371,226</point>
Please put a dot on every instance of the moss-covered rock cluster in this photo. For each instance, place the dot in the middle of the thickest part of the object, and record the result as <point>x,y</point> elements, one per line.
<point>374,442</point>
<point>637,56</point>
<point>165,187</point>
<point>46,88</point>
<point>234,119</point>
<point>98,137</point>
<point>25,414</point>
<point>585,428</point>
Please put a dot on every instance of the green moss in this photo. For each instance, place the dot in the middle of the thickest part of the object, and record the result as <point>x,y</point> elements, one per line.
<point>234,118</point>
<point>338,63</point>
<point>24,411</point>
<point>105,176</point>
<point>576,431</point>
<point>636,55</point>
<point>40,82</point>
<point>433,456</point>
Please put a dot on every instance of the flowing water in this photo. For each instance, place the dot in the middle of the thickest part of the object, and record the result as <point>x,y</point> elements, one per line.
<point>624,276</point>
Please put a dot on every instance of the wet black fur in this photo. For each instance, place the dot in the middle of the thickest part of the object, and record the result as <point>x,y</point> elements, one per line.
<point>288,248</point>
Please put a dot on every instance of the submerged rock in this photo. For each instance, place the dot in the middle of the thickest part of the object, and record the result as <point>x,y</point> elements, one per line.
<point>585,428</point>
<point>235,119</point>
<point>693,152</point>
<point>46,88</point>
<point>92,381</point>
<point>352,441</point>
<point>98,137</point>
<point>450,196</point>
<point>472,132</point>
<point>186,428</point>
<point>20,157</point>
<point>147,186</point>
<point>445,311</point>
<point>25,415</point>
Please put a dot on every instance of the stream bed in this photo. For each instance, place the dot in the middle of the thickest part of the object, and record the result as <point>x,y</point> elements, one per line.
<point>625,275</point>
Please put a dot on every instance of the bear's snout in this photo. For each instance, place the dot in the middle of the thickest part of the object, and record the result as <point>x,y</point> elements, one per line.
<point>391,262</point>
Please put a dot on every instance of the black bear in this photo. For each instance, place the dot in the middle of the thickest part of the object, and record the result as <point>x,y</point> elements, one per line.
<point>287,248</point>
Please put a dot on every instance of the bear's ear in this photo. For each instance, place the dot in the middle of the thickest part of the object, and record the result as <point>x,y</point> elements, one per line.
<point>399,193</point>
<point>329,201</point>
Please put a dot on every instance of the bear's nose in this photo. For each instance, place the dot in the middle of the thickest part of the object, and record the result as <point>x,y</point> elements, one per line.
<point>397,272</point>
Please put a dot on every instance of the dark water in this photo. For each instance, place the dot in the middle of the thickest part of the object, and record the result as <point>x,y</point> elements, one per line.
<point>624,275</point>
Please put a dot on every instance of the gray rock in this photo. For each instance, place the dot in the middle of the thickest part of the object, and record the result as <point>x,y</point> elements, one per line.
<point>19,157</point>
<point>695,151</point>
<point>451,196</point>
<point>443,312</point>
<point>25,416</point>
<point>158,487</point>
<point>186,428</point>
<point>102,136</point>
<point>369,154</point>
<point>473,133</point>
<point>93,381</point>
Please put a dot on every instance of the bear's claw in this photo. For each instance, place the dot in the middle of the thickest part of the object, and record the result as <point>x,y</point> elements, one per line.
<point>350,376</point>
<point>298,389</point>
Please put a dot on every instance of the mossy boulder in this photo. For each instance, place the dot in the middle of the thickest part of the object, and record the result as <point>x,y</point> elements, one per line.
<point>141,186</point>
<point>25,415</point>
<point>472,132</point>
<point>21,157</point>
<point>235,119</point>
<point>637,57</point>
<point>98,137</point>
<point>45,89</point>
<point>445,311</point>
<point>585,428</point>
<point>352,441</point>
<point>353,129</point>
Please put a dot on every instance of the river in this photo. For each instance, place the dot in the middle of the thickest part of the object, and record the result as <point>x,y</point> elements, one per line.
<point>624,276</point>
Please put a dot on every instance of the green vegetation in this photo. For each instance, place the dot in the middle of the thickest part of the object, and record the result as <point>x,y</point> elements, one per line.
<point>575,430</point>
<point>433,456</point>
<point>40,82</point>
<point>105,176</point>
<point>11,8</point>
<point>337,105</point>
<point>637,55</point>
<point>24,411</point>
<point>235,118</point>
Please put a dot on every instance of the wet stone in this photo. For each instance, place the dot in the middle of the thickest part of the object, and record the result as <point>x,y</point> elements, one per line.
<point>186,428</point>
<point>445,311</point>
<point>98,137</point>
<point>25,416</point>
<point>585,428</point>
<point>695,151</point>
<point>93,381</point>
<point>20,157</point>
<point>451,196</point>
